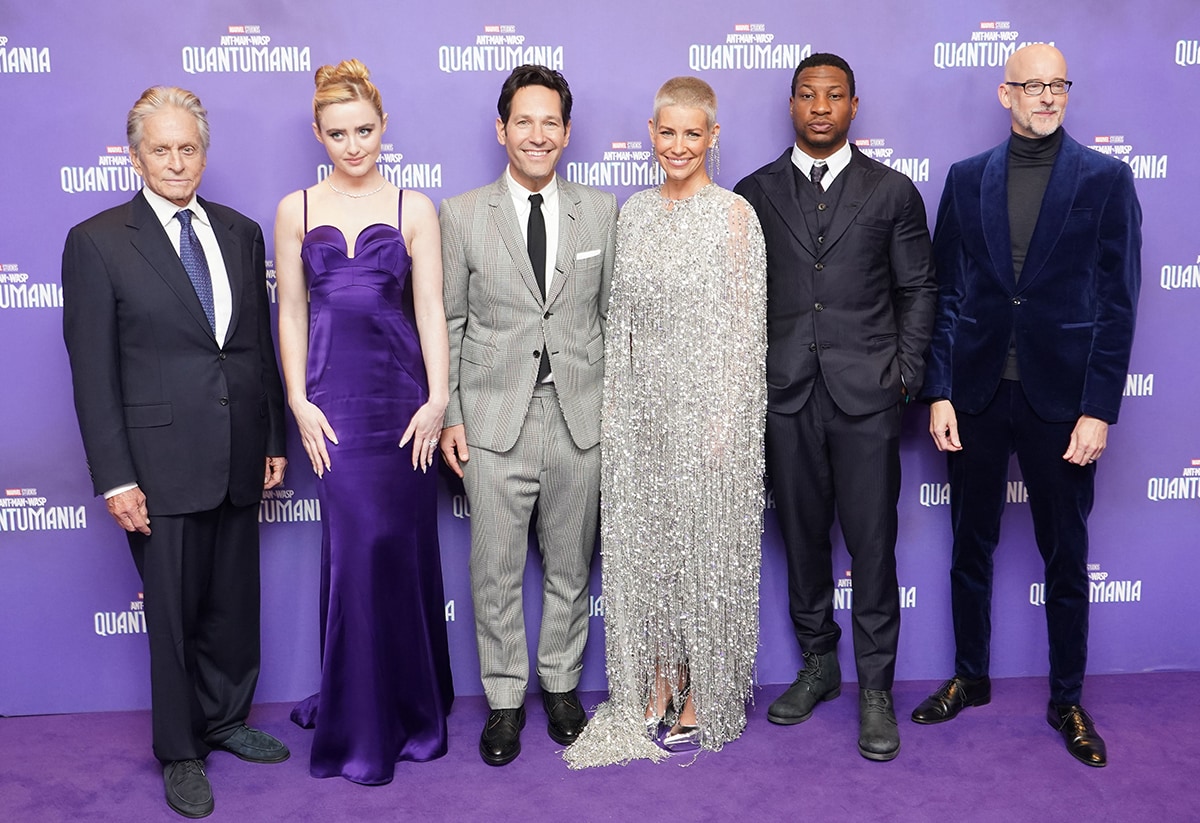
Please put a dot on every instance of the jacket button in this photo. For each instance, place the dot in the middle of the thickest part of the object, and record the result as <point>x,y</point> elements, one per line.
<point>546,316</point>
<point>221,356</point>
<point>224,401</point>
<point>812,346</point>
<point>1016,301</point>
<point>536,355</point>
<point>819,307</point>
<point>819,267</point>
<point>821,207</point>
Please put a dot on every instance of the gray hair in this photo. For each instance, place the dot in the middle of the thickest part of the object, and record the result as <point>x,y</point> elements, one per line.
<point>158,97</point>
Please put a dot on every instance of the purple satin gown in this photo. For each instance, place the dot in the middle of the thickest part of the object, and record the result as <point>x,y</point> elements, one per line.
<point>385,664</point>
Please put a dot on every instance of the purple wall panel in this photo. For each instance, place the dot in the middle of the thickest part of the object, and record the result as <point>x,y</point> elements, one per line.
<point>69,613</point>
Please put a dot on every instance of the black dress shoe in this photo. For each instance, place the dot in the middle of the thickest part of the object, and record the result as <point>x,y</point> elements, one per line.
<point>500,742</point>
<point>820,680</point>
<point>565,716</point>
<point>254,745</point>
<point>1079,731</point>
<point>878,737</point>
<point>951,698</point>
<point>188,789</point>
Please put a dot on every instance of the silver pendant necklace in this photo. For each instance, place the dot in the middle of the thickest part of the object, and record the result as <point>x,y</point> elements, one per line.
<point>355,196</point>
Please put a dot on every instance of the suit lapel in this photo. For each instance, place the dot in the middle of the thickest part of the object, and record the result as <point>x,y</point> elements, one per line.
<point>993,212</point>
<point>568,237</point>
<point>1055,209</point>
<point>779,184</point>
<point>861,180</point>
<point>237,268</point>
<point>505,217</point>
<point>151,241</point>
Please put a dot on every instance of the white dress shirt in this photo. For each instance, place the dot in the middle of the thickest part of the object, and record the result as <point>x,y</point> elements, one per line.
<point>835,163</point>
<point>520,198</point>
<point>165,211</point>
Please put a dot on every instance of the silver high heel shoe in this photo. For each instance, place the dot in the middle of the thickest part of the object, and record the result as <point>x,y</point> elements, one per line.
<point>653,724</point>
<point>656,722</point>
<point>682,738</point>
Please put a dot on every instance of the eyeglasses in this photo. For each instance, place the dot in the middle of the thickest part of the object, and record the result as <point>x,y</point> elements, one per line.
<point>1034,88</point>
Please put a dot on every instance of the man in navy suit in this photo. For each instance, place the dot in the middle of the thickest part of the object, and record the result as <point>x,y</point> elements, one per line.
<point>167,324</point>
<point>850,300</point>
<point>1038,247</point>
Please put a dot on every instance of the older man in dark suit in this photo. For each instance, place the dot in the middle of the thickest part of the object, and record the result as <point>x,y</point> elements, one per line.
<point>167,324</point>
<point>1038,245</point>
<point>850,299</point>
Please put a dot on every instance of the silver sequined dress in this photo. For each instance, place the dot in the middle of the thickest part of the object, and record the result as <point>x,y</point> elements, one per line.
<point>682,466</point>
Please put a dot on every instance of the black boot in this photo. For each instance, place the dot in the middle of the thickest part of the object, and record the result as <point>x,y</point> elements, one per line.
<point>819,680</point>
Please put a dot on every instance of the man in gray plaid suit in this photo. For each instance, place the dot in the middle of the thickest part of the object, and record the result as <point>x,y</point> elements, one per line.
<point>527,262</point>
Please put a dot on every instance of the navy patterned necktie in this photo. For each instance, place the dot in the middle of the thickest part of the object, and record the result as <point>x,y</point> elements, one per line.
<point>191,254</point>
<point>816,173</point>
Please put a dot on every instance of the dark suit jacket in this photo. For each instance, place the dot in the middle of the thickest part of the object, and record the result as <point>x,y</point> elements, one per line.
<point>1072,313</point>
<point>159,402</point>
<point>859,309</point>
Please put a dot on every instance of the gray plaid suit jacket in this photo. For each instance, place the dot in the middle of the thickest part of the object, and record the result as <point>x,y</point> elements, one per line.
<point>499,324</point>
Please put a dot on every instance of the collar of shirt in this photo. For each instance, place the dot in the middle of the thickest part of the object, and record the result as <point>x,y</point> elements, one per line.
<point>520,198</point>
<point>835,163</point>
<point>165,211</point>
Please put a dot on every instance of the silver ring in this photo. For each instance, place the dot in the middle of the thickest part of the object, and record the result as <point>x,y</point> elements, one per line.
<point>433,441</point>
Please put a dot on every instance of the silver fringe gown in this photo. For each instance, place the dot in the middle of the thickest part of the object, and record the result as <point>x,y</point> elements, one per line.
<point>682,466</point>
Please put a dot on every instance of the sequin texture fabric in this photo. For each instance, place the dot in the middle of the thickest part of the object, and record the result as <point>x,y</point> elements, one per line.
<point>682,466</point>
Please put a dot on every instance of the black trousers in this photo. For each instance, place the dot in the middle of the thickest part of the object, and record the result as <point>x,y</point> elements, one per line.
<point>821,462</point>
<point>1060,500</point>
<point>200,573</point>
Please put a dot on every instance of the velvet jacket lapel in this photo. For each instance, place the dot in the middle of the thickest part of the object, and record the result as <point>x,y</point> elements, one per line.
<point>993,211</point>
<point>1056,208</point>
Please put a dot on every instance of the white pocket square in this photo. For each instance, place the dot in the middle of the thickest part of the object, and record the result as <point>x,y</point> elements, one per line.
<point>584,255</point>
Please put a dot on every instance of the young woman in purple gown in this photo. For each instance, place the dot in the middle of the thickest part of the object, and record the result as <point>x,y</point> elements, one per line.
<point>362,338</point>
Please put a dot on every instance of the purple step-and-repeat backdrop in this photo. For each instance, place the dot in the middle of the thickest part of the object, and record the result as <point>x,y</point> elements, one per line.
<point>71,626</point>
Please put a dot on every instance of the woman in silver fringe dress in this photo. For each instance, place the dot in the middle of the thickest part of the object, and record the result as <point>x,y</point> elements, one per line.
<point>682,471</point>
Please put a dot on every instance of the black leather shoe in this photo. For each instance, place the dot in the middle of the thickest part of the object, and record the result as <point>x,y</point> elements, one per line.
<point>254,746</point>
<point>819,680</point>
<point>1079,731</point>
<point>951,698</point>
<point>878,737</point>
<point>188,789</point>
<point>565,716</point>
<point>500,742</point>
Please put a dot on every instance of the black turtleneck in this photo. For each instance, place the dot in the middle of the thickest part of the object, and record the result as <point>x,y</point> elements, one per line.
<point>1029,164</point>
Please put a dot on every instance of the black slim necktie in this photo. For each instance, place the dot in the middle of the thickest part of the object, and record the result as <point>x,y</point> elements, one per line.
<point>535,241</point>
<point>191,254</point>
<point>816,173</point>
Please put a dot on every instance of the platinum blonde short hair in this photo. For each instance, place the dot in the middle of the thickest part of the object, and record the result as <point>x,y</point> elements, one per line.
<point>689,92</point>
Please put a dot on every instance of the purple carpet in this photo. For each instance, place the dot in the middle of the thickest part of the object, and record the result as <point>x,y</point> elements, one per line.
<point>1000,762</point>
